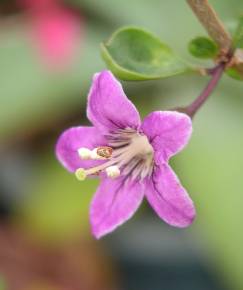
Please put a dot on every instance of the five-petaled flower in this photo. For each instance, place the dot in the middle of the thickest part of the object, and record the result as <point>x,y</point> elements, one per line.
<point>131,157</point>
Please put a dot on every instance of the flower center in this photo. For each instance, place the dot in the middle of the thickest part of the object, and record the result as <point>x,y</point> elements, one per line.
<point>128,153</point>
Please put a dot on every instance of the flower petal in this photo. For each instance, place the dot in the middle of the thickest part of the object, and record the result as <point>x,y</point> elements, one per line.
<point>74,138</point>
<point>168,198</point>
<point>168,132</point>
<point>108,107</point>
<point>114,203</point>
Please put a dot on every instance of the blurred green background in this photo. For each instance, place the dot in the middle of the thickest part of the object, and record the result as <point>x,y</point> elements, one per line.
<point>45,240</point>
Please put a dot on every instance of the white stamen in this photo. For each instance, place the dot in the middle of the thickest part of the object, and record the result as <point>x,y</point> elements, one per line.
<point>84,153</point>
<point>113,171</point>
<point>128,153</point>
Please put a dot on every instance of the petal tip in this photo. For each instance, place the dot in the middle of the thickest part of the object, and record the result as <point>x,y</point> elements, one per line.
<point>188,219</point>
<point>100,229</point>
<point>105,98</point>
<point>98,232</point>
<point>101,74</point>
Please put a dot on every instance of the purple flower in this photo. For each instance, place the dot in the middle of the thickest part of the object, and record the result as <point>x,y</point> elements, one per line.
<point>131,157</point>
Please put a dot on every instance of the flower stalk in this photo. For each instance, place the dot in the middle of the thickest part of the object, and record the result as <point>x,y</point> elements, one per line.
<point>215,28</point>
<point>216,74</point>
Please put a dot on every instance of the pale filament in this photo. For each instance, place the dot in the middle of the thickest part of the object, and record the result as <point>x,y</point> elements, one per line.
<point>135,157</point>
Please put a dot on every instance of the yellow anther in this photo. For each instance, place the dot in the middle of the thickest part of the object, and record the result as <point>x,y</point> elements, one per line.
<point>104,151</point>
<point>95,156</point>
<point>81,174</point>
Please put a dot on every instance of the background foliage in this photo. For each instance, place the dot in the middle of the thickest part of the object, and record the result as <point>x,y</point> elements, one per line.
<point>38,104</point>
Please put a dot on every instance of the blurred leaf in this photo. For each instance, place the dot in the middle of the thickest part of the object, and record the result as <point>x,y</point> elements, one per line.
<point>58,205</point>
<point>29,94</point>
<point>238,36</point>
<point>136,54</point>
<point>203,47</point>
<point>211,169</point>
<point>236,71</point>
<point>32,95</point>
<point>2,283</point>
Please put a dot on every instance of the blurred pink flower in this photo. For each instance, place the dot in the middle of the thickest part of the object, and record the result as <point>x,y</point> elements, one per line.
<point>130,156</point>
<point>55,31</point>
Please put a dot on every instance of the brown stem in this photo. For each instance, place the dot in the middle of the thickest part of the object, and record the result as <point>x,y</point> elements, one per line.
<point>211,22</point>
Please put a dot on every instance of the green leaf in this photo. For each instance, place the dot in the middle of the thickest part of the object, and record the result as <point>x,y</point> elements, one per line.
<point>136,54</point>
<point>203,47</point>
<point>236,71</point>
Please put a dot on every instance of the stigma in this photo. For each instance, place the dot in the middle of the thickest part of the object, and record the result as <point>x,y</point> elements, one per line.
<point>128,153</point>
